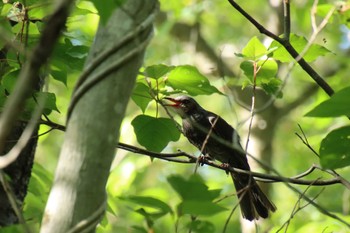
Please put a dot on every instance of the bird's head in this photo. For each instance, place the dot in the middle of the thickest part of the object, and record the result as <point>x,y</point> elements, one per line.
<point>183,105</point>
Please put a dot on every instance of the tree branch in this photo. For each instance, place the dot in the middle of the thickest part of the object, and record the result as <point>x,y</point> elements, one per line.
<point>193,159</point>
<point>287,45</point>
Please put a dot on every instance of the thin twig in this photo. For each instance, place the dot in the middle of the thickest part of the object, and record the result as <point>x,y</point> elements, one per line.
<point>305,141</point>
<point>313,15</point>
<point>298,208</point>
<point>205,143</point>
<point>344,181</point>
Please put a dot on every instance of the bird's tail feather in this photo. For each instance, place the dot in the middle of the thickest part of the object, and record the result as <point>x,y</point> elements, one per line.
<point>253,201</point>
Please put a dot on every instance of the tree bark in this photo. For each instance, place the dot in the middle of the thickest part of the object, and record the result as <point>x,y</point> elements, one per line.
<point>78,192</point>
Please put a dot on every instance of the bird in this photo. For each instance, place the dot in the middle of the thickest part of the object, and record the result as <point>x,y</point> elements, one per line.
<point>215,138</point>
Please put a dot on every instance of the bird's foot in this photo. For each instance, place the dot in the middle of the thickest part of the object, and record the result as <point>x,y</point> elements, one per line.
<point>225,166</point>
<point>203,158</point>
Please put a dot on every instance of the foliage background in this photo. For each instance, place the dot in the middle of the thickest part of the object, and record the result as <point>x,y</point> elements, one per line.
<point>226,32</point>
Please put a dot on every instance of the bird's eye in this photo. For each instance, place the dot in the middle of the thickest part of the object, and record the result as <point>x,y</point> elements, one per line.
<point>185,102</point>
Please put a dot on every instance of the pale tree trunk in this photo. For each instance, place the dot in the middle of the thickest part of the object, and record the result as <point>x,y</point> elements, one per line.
<point>77,198</point>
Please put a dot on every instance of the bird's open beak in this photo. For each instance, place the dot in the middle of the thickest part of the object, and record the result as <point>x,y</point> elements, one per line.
<point>176,103</point>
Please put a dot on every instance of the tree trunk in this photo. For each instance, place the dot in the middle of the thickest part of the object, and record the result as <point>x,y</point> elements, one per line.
<point>78,192</point>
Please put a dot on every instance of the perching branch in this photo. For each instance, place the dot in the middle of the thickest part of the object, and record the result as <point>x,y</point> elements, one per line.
<point>191,159</point>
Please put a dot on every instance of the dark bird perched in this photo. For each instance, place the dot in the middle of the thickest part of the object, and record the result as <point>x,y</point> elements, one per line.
<point>197,124</point>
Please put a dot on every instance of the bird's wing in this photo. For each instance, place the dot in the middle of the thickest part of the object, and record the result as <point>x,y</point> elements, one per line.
<point>222,129</point>
<point>225,131</point>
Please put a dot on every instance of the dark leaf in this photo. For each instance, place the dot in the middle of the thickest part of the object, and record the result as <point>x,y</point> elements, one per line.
<point>335,149</point>
<point>199,207</point>
<point>155,133</point>
<point>141,95</point>
<point>193,189</point>
<point>337,105</point>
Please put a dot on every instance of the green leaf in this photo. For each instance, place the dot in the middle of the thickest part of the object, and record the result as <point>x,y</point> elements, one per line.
<point>268,69</point>
<point>60,75</point>
<point>335,149</point>
<point>141,95</point>
<point>337,105</point>
<point>254,49</point>
<point>201,226</point>
<point>155,133</point>
<point>3,98</point>
<point>105,8</point>
<point>149,202</point>
<point>197,199</point>
<point>192,189</point>
<point>265,77</point>
<point>139,229</point>
<point>40,181</point>
<point>188,79</point>
<point>272,86</point>
<point>324,9</point>
<point>49,106</point>
<point>158,207</point>
<point>157,71</point>
<point>78,51</point>
<point>299,43</point>
<point>9,80</point>
<point>199,207</point>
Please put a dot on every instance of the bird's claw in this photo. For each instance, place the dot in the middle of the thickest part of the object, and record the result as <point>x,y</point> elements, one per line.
<point>203,158</point>
<point>225,166</point>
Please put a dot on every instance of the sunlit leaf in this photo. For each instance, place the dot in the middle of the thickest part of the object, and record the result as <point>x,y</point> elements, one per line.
<point>265,77</point>
<point>266,69</point>
<point>337,105</point>
<point>154,133</point>
<point>188,79</point>
<point>299,43</point>
<point>254,49</point>
<point>335,149</point>
<point>157,71</point>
